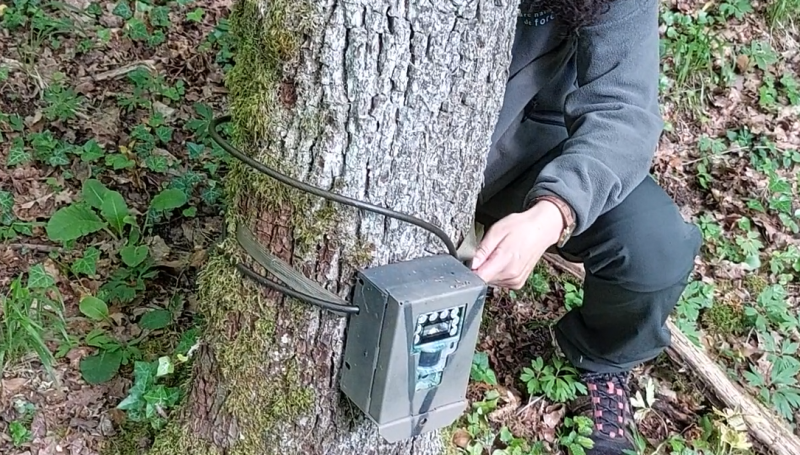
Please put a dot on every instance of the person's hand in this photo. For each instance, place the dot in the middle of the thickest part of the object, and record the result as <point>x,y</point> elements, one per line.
<point>511,248</point>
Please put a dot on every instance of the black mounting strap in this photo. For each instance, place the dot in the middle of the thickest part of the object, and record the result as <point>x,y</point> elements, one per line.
<point>297,284</point>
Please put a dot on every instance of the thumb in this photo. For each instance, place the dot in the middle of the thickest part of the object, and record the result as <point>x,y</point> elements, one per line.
<point>486,247</point>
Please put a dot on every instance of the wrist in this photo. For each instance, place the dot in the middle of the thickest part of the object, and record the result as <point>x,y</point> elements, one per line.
<point>553,225</point>
<point>564,214</point>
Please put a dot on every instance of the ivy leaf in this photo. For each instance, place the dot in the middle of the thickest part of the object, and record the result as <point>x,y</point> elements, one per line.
<point>101,367</point>
<point>88,263</point>
<point>119,161</point>
<point>134,255</point>
<point>6,207</point>
<point>122,10</point>
<point>72,222</point>
<point>195,150</point>
<point>168,199</point>
<point>156,319</point>
<point>17,154</point>
<point>94,192</point>
<point>164,133</point>
<point>114,210</point>
<point>94,308</point>
<point>38,278</point>
<point>92,151</point>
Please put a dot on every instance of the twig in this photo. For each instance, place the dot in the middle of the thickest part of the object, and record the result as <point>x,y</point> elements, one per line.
<point>11,63</point>
<point>33,247</point>
<point>115,73</point>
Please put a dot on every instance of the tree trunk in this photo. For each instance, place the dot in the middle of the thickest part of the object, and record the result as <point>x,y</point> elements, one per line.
<point>388,101</point>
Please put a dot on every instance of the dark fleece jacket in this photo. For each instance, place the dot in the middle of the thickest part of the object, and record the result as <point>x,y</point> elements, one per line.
<point>594,92</point>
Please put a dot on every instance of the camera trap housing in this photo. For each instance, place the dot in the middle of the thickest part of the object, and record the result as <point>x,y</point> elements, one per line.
<point>409,349</point>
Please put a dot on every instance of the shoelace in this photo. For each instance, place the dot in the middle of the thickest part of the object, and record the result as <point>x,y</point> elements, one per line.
<point>609,402</point>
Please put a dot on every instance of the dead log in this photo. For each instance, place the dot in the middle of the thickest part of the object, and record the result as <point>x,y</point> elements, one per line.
<point>766,427</point>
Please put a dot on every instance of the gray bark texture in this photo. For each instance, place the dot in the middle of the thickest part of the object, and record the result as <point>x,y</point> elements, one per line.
<point>388,101</point>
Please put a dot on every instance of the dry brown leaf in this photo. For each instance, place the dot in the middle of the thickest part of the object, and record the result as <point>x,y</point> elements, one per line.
<point>553,415</point>
<point>12,386</point>
<point>198,258</point>
<point>158,248</point>
<point>38,426</point>
<point>461,438</point>
<point>742,62</point>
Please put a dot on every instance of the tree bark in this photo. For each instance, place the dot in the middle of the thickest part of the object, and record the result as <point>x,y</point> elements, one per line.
<point>388,101</point>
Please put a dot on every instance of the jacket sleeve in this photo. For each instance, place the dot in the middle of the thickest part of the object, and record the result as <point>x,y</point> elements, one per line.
<point>612,117</point>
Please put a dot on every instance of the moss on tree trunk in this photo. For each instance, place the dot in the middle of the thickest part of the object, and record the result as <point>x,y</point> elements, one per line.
<point>392,102</point>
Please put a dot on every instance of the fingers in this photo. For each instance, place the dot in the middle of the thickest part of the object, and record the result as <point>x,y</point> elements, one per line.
<point>505,265</point>
<point>492,269</point>
<point>490,241</point>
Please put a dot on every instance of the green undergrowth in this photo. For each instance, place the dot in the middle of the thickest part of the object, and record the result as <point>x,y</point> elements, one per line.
<point>698,58</point>
<point>783,13</point>
<point>556,381</point>
<point>111,278</point>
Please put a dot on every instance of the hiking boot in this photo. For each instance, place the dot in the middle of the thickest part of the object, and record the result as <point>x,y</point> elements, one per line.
<point>608,405</point>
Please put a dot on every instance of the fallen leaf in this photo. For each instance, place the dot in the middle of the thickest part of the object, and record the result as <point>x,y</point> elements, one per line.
<point>12,386</point>
<point>461,438</point>
<point>158,248</point>
<point>742,63</point>
<point>198,258</point>
<point>553,415</point>
<point>38,426</point>
<point>163,109</point>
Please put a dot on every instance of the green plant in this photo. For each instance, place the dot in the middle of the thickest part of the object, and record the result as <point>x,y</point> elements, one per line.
<point>771,310</point>
<point>478,427</point>
<point>696,297</point>
<point>481,371</point>
<point>761,54</point>
<point>573,295</point>
<point>574,435</point>
<point>780,388</point>
<point>149,400</point>
<point>112,351</point>
<point>558,381</point>
<point>32,315</point>
<point>517,446</point>
<point>62,102</point>
<point>19,428</point>
<point>735,8</point>
<point>10,226</point>
<point>691,47</point>
<point>782,12</point>
<point>102,209</point>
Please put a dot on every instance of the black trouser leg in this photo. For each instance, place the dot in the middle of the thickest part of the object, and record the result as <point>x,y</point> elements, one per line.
<point>637,258</point>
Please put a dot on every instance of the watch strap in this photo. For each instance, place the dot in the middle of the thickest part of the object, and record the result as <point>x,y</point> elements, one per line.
<point>567,214</point>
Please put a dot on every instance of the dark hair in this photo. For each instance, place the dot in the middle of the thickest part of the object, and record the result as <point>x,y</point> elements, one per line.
<point>570,14</point>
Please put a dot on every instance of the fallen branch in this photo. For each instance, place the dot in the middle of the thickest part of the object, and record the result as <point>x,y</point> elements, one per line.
<point>763,424</point>
<point>33,247</point>
<point>118,72</point>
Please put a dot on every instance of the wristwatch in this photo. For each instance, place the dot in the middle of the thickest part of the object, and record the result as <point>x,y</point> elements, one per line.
<point>567,215</point>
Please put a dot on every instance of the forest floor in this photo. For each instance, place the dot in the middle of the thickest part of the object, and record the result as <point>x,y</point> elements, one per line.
<point>110,198</point>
